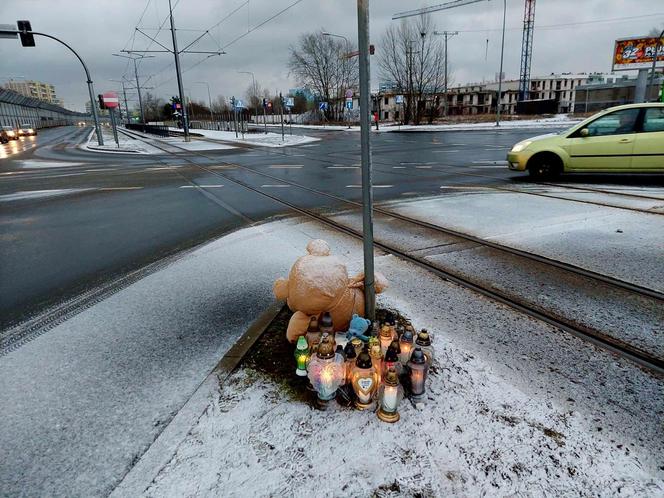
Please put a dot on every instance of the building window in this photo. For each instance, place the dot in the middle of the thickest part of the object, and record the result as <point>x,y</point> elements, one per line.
<point>386,115</point>
<point>387,100</point>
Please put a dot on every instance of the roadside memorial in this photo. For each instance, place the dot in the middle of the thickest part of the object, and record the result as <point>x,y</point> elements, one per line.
<point>345,359</point>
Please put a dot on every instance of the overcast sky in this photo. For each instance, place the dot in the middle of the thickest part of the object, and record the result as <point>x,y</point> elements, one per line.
<point>98,28</point>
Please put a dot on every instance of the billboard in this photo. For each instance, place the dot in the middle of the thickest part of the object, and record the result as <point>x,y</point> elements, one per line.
<point>636,53</point>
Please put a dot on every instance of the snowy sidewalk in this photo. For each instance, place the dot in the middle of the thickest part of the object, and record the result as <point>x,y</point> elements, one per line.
<point>258,138</point>
<point>514,407</point>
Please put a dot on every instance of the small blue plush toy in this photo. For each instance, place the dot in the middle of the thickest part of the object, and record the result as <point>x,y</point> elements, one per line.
<point>358,326</point>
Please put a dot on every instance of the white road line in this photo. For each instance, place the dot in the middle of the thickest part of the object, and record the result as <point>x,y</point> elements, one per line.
<point>422,167</point>
<point>121,188</point>
<point>287,166</point>
<point>157,169</point>
<point>200,186</point>
<point>275,186</point>
<point>101,169</point>
<point>343,167</point>
<point>58,176</point>
<point>374,186</point>
<point>398,167</point>
<point>504,163</point>
<point>444,151</point>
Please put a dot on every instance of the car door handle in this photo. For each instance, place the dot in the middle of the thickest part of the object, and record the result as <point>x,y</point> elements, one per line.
<point>625,140</point>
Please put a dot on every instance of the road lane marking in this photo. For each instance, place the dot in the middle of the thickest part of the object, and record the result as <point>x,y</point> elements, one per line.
<point>100,169</point>
<point>422,167</point>
<point>275,186</point>
<point>398,167</point>
<point>58,176</point>
<point>120,188</point>
<point>343,167</point>
<point>286,166</point>
<point>504,163</point>
<point>444,151</point>
<point>201,186</point>
<point>374,186</point>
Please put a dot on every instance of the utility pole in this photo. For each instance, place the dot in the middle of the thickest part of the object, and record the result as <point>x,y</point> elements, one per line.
<point>134,58</point>
<point>500,71</point>
<point>253,79</point>
<point>447,35</point>
<point>176,53</point>
<point>209,97</point>
<point>365,127</point>
<point>281,111</point>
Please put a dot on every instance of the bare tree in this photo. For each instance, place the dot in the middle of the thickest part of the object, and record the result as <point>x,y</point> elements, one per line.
<point>325,66</point>
<point>153,107</point>
<point>254,96</point>
<point>414,58</point>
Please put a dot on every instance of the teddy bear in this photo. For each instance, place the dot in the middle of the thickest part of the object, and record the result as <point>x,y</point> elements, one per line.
<point>319,282</point>
<point>358,326</point>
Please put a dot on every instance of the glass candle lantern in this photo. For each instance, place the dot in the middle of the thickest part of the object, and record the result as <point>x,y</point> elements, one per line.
<point>357,344</point>
<point>325,374</point>
<point>313,332</point>
<point>351,355</point>
<point>301,356</point>
<point>341,339</point>
<point>423,341</point>
<point>391,361</point>
<point>418,368</point>
<point>376,356</point>
<point>405,346</point>
<point>326,324</point>
<point>375,329</point>
<point>364,380</point>
<point>389,397</point>
<point>386,337</point>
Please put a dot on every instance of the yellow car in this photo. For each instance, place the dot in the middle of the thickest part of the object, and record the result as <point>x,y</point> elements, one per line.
<point>623,139</point>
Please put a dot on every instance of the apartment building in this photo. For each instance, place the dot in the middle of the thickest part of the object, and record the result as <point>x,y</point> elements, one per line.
<point>35,89</point>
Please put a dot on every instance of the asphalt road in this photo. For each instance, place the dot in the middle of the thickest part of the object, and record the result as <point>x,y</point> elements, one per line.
<point>105,215</point>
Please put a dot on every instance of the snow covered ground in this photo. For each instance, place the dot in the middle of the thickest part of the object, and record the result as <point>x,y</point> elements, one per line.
<point>262,139</point>
<point>127,144</point>
<point>514,408</point>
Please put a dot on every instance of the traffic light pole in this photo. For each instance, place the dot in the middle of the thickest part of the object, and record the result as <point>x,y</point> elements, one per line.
<point>91,88</point>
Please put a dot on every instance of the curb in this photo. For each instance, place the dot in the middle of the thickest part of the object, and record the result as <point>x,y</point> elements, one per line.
<point>141,475</point>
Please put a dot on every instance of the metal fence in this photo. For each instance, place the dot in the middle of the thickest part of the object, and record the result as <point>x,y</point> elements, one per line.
<point>152,129</point>
<point>17,109</point>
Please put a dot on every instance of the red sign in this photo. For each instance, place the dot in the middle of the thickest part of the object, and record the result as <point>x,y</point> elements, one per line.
<point>111,99</point>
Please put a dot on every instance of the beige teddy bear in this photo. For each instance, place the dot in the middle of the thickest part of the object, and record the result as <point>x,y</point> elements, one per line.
<point>319,282</point>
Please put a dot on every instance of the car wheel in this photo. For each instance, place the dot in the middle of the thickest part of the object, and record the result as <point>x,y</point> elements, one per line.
<point>545,166</point>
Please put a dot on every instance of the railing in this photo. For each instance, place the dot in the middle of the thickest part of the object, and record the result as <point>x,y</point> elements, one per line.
<point>159,130</point>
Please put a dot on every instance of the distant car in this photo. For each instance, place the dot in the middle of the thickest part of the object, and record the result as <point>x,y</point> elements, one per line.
<point>26,129</point>
<point>623,139</point>
<point>4,138</point>
<point>10,133</point>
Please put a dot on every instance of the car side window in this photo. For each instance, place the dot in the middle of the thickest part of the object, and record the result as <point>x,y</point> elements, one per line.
<point>654,119</point>
<point>616,123</point>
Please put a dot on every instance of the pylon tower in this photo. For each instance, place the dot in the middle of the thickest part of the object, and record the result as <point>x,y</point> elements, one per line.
<point>527,49</point>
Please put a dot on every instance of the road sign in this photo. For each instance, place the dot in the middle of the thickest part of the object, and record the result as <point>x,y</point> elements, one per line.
<point>239,104</point>
<point>322,106</point>
<point>290,102</point>
<point>349,104</point>
<point>398,99</point>
<point>111,100</point>
<point>349,94</point>
<point>269,104</point>
<point>27,39</point>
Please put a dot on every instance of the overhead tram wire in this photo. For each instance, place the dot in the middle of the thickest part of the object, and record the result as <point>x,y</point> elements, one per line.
<point>224,47</point>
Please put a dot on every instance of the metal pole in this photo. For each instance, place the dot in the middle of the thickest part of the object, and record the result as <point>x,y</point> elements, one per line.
<point>654,62</point>
<point>114,126</point>
<point>500,73</point>
<point>124,92</point>
<point>281,111</point>
<point>265,118</point>
<point>365,127</point>
<point>176,53</point>
<point>138,87</point>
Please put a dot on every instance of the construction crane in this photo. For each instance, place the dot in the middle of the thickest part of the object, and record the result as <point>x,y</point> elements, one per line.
<point>526,49</point>
<point>434,8</point>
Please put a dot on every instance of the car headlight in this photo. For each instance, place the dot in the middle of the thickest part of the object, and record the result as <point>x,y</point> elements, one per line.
<point>521,146</point>
<point>31,130</point>
<point>11,133</point>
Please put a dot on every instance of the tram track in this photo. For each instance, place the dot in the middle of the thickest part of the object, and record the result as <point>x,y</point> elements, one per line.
<point>636,354</point>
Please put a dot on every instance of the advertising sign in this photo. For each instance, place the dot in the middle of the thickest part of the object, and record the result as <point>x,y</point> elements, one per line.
<point>636,53</point>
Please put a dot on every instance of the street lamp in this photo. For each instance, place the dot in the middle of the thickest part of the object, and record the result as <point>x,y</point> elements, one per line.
<point>209,98</point>
<point>500,72</point>
<point>253,79</point>
<point>138,85</point>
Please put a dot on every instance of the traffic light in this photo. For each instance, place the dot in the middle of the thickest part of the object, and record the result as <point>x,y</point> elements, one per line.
<point>101,101</point>
<point>27,39</point>
<point>372,49</point>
